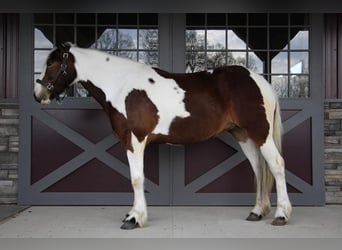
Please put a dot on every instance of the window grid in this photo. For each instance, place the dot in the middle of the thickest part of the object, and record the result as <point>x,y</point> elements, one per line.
<point>296,83</point>
<point>134,24</point>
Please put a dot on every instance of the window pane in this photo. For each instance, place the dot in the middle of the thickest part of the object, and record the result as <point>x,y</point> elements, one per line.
<point>278,38</point>
<point>280,85</point>
<point>64,34</point>
<point>128,19</point>
<point>299,86</point>
<point>148,39</point>
<point>299,62</point>
<point>149,57</point>
<point>195,19</point>
<point>106,19</point>
<point>195,39</point>
<point>237,19</point>
<point>195,61</point>
<point>128,54</point>
<point>216,19</point>
<point>279,63</point>
<point>257,19</point>
<point>85,18</point>
<point>148,19</point>
<point>42,36</point>
<point>216,39</point>
<point>39,59</point>
<point>234,40</point>
<point>86,37</point>
<point>65,18</point>
<point>215,59</point>
<point>299,39</point>
<point>107,39</point>
<point>43,18</point>
<point>279,19</point>
<point>299,19</point>
<point>257,38</point>
<point>255,63</point>
<point>127,39</point>
<point>236,58</point>
<point>79,91</point>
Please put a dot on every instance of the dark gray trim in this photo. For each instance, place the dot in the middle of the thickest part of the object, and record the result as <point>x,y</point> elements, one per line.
<point>176,6</point>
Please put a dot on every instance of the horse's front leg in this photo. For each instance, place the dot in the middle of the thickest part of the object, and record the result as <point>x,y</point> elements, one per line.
<point>138,214</point>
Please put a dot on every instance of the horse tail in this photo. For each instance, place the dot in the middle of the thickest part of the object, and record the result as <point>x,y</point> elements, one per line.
<point>267,179</point>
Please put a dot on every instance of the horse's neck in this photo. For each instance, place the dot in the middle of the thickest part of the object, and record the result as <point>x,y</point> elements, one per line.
<point>100,68</point>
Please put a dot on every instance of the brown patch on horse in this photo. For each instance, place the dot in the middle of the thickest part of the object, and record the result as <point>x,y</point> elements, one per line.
<point>228,99</point>
<point>246,102</point>
<point>151,81</point>
<point>142,114</point>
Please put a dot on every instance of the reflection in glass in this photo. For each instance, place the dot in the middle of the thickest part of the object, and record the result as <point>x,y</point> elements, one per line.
<point>299,86</point>
<point>127,39</point>
<point>80,91</point>
<point>149,57</point>
<point>148,39</point>
<point>216,39</point>
<point>234,42</point>
<point>280,85</point>
<point>236,58</point>
<point>39,59</point>
<point>279,63</point>
<point>40,40</point>
<point>215,59</point>
<point>129,54</point>
<point>195,39</point>
<point>299,62</point>
<point>255,63</point>
<point>299,39</point>
<point>195,61</point>
<point>107,40</point>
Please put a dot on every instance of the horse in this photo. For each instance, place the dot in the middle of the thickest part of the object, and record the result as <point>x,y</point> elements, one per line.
<point>146,104</point>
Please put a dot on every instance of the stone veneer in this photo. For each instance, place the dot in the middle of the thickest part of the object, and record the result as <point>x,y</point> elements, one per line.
<point>333,151</point>
<point>9,148</point>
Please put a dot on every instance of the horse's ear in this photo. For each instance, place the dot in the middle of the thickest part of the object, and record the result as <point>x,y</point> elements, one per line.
<point>64,46</point>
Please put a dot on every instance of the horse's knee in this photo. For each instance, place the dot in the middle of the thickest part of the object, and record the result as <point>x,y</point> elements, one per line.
<point>137,182</point>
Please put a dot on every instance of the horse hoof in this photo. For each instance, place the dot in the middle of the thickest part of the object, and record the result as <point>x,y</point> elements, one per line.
<point>279,221</point>
<point>254,217</point>
<point>129,224</point>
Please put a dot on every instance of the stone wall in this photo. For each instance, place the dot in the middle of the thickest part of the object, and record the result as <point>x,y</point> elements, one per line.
<point>333,152</point>
<point>9,148</point>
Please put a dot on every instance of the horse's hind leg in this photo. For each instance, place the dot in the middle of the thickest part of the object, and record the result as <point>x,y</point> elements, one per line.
<point>138,214</point>
<point>277,166</point>
<point>262,205</point>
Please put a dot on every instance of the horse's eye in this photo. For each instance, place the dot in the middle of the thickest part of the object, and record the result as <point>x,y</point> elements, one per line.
<point>49,63</point>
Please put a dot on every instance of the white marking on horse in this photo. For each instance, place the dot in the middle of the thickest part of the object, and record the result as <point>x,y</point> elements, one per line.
<point>268,96</point>
<point>119,76</point>
<point>136,164</point>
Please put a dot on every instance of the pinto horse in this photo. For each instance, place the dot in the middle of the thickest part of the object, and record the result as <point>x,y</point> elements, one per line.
<point>146,104</point>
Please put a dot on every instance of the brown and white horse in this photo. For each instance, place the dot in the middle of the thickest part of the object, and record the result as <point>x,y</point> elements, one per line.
<point>146,104</point>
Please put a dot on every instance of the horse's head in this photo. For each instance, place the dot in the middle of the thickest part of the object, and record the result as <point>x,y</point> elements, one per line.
<point>57,75</point>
